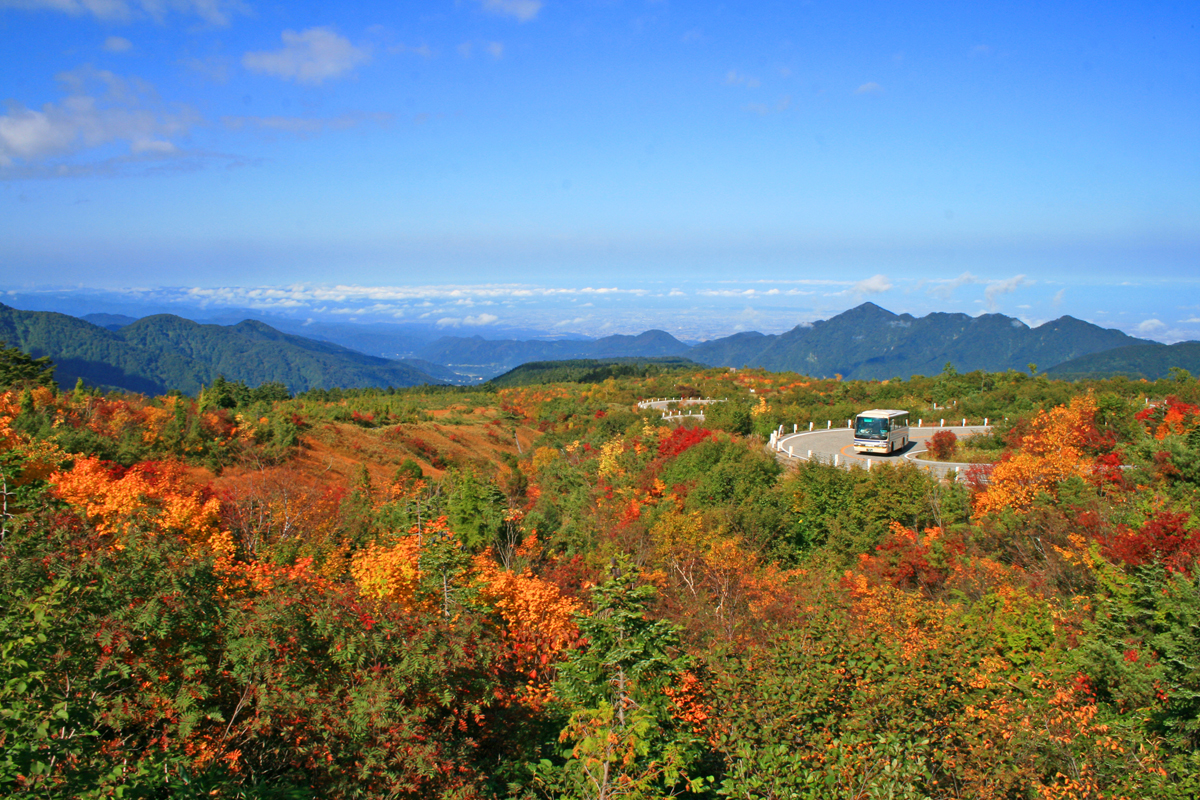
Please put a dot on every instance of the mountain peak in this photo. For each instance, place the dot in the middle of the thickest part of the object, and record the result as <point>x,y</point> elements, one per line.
<point>867,310</point>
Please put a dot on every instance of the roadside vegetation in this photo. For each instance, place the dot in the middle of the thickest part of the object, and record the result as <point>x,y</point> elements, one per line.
<point>543,591</point>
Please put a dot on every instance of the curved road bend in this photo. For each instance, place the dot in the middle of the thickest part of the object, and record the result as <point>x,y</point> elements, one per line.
<point>661,405</point>
<point>840,442</point>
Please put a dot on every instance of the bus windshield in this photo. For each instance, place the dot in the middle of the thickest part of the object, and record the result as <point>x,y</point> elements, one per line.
<point>870,427</point>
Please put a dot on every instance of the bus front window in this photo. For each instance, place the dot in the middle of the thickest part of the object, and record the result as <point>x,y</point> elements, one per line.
<point>870,428</point>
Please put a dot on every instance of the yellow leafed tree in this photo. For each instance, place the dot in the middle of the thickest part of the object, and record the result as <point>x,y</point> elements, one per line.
<point>1049,454</point>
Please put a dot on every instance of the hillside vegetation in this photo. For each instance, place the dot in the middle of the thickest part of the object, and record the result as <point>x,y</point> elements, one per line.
<point>161,353</point>
<point>539,591</point>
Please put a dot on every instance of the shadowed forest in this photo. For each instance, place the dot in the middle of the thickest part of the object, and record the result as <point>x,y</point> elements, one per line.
<point>540,591</point>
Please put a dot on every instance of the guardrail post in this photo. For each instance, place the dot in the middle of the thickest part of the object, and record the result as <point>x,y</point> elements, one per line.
<point>964,422</point>
<point>985,422</point>
<point>943,423</point>
<point>810,455</point>
<point>828,424</point>
<point>920,423</point>
<point>835,459</point>
<point>810,425</point>
<point>869,463</point>
<point>791,452</point>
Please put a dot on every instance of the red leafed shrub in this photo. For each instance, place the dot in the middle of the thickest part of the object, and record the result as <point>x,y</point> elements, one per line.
<point>1163,539</point>
<point>1171,416</point>
<point>903,559</point>
<point>943,445</point>
<point>681,439</point>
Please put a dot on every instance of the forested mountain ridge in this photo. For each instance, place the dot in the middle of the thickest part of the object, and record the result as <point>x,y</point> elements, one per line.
<point>871,343</point>
<point>163,352</point>
<point>1150,360</point>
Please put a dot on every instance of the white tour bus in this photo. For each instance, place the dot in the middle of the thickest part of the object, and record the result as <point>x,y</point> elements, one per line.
<point>880,430</point>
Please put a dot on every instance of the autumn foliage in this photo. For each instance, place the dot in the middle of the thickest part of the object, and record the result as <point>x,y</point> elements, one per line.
<point>1052,451</point>
<point>546,592</point>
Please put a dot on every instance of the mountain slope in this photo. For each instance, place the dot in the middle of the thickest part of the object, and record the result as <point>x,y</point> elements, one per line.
<point>1151,361</point>
<point>869,342</point>
<point>163,352</point>
<point>486,358</point>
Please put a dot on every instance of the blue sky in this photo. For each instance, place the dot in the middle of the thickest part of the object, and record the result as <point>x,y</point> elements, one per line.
<point>608,166</point>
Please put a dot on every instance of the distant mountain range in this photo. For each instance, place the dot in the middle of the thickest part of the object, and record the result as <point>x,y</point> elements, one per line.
<point>487,358</point>
<point>157,353</point>
<point>867,342</point>
<point>871,343</point>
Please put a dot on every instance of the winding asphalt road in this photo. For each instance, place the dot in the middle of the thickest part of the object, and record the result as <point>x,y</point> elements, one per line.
<point>839,442</point>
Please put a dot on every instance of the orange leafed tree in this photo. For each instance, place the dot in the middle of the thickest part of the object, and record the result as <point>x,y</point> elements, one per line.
<point>539,621</point>
<point>1050,453</point>
<point>389,572</point>
<point>111,497</point>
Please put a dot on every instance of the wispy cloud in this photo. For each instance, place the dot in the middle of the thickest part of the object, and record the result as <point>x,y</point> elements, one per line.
<point>520,10</point>
<point>735,78</point>
<point>996,288</point>
<point>304,126</point>
<point>310,56</point>
<point>871,87</point>
<point>945,288</point>
<point>117,44</point>
<point>100,108</point>
<point>423,50</point>
<point>216,12</point>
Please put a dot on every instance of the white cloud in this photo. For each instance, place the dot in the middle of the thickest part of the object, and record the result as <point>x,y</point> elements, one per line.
<point>876,284</point>
<point>997,288</point>
<point>480,319</point>
<point>216,12</point>
<point>346,295</point>
<point>520,10</point>
<point>1150,326</point>
<point>676,293</point>
<point>310,56</point>
<point>117,44</point>
<point>1056,301</point>
<point>871,87</point>
<point>464,49</point>
<point>100,108</point>
<point>153,146</point>
<point>495,49</point>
